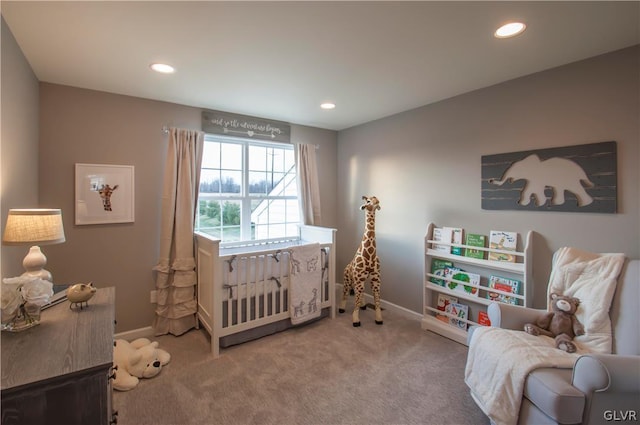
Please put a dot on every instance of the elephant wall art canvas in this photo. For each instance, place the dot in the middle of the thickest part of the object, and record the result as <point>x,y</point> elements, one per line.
<point>581,178</point>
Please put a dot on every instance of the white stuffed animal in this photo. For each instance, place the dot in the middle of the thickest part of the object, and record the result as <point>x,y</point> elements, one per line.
<point>140,358</point>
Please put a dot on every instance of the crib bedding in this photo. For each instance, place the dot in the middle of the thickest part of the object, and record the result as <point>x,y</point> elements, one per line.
<point>254,275</point>
<point>264,308</point>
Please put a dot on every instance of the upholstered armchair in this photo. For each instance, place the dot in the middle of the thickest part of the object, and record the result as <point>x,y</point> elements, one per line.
<point>600,388</point>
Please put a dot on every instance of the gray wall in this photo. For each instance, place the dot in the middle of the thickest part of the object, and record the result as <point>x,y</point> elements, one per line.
<point>424,165</point>
<point>84,126</point>
<point>18,143</point>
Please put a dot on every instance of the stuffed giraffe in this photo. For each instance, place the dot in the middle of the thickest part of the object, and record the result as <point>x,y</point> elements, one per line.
<point>365,264</point>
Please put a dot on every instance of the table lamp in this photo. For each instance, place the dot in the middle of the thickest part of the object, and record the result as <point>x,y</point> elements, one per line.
<point>34,226</point>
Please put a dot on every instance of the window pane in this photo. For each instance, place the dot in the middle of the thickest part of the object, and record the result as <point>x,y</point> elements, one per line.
<point>231,182</point>
<point>209,217</point>
<point>211,155</point>
<point>293,212</point>
<point>276,158</point>
<point>289,160</point>
<point>210,181</point>
<point>257,158</point>
<point>269,181</point>
<point>231,213</point>
<point>258,183</point>
<point>291,185</point>
<point>277,231</point>
<point>277,211</point>
<point>231,216</point>
<point>231,156</point>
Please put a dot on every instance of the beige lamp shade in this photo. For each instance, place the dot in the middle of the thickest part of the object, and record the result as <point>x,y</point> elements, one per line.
<point>33,226</point>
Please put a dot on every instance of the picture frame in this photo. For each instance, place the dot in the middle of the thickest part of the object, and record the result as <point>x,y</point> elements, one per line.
<point>104,194</point>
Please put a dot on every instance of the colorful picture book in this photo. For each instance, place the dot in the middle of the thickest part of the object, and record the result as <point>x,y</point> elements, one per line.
<point>443,301</point>
<point>474,239</point>
<point>460,311</point>
<point>483,318</point>
<point>456,237</point>
<point>438,268</point>
<point>442,234</point>
<point>462,276</point>
<point>504,241</point>
<point>505,285</point>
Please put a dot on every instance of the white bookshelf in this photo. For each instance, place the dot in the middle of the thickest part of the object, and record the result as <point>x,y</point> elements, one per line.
<point>520,270</point>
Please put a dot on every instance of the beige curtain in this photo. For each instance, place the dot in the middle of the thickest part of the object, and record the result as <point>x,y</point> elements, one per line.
<point>309,188</point>
<point>176,276</point>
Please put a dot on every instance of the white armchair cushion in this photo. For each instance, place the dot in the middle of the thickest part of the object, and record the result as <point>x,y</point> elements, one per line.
<point>591,278</point>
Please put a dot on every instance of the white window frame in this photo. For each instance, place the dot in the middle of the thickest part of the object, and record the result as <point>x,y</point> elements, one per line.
<point>292,218</point>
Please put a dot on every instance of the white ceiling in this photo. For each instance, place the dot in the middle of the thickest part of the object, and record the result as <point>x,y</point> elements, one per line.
<point>280,60</point>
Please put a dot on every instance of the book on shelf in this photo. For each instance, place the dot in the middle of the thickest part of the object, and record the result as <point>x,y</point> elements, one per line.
<point>504,241</point>
<point>443,301</point>
<point>483,318</point>
<point>474,239</point>
<point>438,268</point>
<point>456,237</point>
<point>441,234</point>
<point>462,276</point>
<point>460,311</point>
<point>506,285</point>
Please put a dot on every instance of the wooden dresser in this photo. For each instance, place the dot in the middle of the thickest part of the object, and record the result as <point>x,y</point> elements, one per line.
<point>58,372</point>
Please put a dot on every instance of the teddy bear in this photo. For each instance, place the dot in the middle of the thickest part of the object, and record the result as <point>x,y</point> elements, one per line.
<point>560,323</point>
<point>140,358</point>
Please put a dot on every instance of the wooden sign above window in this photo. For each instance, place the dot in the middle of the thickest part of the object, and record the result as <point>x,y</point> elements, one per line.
<point>581,178</point>
<point>246,127</point>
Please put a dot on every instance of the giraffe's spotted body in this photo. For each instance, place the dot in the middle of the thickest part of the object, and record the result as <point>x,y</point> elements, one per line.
<point>365,264</point>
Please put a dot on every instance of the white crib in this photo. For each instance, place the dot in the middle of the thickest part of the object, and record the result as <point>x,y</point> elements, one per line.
<point>243,288</point>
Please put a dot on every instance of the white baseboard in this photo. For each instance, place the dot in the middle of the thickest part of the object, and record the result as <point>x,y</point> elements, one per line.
<point>409,314</point>
<point>146,332</point>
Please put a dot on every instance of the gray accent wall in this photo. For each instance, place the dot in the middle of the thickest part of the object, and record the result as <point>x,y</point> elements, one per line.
<point>424,165</point>
<point>18,143</point>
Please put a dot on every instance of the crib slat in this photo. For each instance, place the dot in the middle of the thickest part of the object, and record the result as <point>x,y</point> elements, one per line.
<point>258,261</point>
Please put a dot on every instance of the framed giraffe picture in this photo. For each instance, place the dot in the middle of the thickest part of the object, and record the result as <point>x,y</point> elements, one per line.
<point>104,194</point>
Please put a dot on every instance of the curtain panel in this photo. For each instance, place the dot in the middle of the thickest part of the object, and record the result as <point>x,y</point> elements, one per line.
<point>176,276</point>
<point>308,184</point>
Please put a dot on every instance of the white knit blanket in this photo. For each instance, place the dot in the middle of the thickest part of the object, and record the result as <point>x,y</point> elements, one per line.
<point>498,363</point>
<point>305,286</point>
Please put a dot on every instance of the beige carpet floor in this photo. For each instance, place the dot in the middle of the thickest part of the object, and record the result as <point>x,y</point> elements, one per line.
<point>327,372</point>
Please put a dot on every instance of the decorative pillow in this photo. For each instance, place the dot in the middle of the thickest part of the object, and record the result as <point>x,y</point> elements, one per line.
<point>592,278</point>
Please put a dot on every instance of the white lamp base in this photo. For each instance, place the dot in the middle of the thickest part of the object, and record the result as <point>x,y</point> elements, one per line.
<point>34,263</point>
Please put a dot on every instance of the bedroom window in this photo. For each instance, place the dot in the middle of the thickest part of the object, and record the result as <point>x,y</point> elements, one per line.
<point>248,190</point>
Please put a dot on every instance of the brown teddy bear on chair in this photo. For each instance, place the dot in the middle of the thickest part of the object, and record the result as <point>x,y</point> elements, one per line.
<point>560,323</point>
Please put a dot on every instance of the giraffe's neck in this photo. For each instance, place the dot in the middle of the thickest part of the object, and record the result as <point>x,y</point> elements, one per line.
<point>370,223</point>
<point>368,245</point>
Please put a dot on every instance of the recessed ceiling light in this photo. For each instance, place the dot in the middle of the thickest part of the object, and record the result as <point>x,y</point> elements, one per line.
<point>510,30</point>
<point>162,68</point>
<point>328,105</point>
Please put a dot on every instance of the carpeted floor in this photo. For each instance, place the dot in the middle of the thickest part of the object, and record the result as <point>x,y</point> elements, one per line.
<point>327,372</point>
